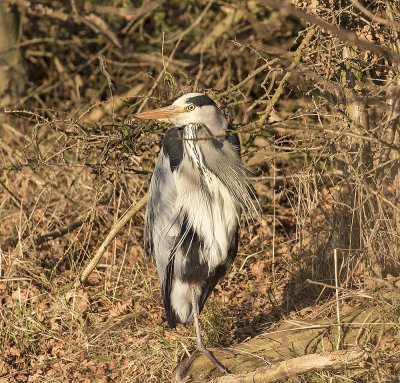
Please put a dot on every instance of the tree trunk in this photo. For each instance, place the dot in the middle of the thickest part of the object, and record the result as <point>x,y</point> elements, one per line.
<point>12,73</point>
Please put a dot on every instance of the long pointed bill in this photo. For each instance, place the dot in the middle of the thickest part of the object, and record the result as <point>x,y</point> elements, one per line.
<point>161,113</point>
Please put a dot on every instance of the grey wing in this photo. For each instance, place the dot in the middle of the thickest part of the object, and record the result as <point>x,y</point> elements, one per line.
<point>161,208</point>
<point>161,224</point>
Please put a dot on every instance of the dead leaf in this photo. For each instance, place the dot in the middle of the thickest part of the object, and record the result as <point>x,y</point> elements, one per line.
<point>81,301</point>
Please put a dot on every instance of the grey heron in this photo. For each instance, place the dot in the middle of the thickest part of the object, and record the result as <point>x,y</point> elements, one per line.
<point>197,192</point>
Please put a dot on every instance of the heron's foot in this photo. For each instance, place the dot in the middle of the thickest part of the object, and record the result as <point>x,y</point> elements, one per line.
<point>213,359</point>
<point>180,373</point>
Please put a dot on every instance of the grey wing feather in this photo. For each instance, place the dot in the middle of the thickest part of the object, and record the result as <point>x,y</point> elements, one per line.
<point>161,222</point>
<point>161,205</point>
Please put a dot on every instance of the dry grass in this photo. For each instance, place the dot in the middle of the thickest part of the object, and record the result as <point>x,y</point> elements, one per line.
<point>325,163</point>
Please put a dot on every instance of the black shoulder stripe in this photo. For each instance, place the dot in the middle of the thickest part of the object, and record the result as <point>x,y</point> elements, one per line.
<point>218,144</point>
<point>200,100</point>
<point>233,139</point>
<point>173,148</point>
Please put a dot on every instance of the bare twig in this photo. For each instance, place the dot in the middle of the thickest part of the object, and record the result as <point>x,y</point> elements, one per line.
<point>375,18</point>
<point>126,13</point>
<point>16,200</point>
<point>162,72</point>
<point>355,293</point>
<point>13,153</point>
<point>337,300</point>
<point>114,231</point>
<point>286,77</point>
<point>342,34</point>
<point>232,18</point>
<point>57,233</point>
<point>93,21</point>
<point>192,26</point>
<point>248,78</point>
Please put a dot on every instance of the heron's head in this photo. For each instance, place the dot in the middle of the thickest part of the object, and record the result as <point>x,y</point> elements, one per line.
<point>191,108</point>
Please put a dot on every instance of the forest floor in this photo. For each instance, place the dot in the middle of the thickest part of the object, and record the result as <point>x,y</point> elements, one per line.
<point>71,157</point>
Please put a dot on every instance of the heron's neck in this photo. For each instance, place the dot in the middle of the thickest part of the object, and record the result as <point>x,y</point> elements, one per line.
<point>197,130</point>
<point>191,131</point>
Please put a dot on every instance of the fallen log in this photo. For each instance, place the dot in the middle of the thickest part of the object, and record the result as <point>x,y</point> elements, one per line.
<point>296,347</point>
<point>332,361</point>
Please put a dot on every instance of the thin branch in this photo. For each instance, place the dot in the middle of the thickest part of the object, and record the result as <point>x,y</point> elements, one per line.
<point>343,34</point>
<point>279,91</point>
<point>16,200</point>
<point>58,233</point>
<point>375,18</point>
<point>355,293</point>
<point>248,78</point>
<point>339,327</point>
<point>192,26</point>
<point>127,13</point>
<point>94,22</point>
<point>114,231</point>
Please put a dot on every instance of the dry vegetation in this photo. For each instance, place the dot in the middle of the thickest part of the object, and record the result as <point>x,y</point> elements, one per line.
<point>314,90</point>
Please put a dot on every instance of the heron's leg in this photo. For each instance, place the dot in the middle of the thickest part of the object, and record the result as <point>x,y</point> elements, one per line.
<point>200,344</point>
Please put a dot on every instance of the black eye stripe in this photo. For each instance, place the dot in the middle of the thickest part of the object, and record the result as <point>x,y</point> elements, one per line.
<point>200,100</point>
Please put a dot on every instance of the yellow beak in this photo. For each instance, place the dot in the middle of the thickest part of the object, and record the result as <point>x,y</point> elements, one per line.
<point>161,113</point>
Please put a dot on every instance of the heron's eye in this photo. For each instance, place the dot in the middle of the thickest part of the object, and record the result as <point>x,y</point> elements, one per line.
<point>189,108</point>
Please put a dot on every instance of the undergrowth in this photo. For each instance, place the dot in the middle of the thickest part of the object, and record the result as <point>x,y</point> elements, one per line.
<point>322,144</point>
